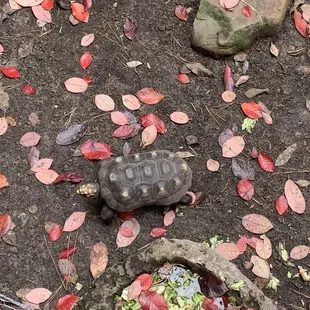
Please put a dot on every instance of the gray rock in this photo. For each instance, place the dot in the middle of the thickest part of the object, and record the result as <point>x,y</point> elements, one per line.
<point>195,255</point>
<point>219,32</point>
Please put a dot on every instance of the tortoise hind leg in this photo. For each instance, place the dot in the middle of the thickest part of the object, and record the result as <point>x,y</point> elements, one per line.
<point>107,213</point>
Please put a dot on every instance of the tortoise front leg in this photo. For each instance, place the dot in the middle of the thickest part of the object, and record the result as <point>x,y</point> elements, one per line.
<point>106,213</point>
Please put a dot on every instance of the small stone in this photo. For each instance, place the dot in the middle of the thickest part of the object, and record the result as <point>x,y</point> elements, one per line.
<point>241,57</point>
<point>33,209</point>
<point>161,28</point>
<point>191,140</point>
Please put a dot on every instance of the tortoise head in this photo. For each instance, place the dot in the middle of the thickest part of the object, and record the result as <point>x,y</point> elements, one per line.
<point>89,190</point>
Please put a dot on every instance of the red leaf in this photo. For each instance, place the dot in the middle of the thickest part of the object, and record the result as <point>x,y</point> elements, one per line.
<point>78,11</point>
<point>242,243</point>
<point>247,11</point>
<point>149,96</point>
<point>126,232</point>
<point>227,250</point>
<point>228,79</point>
<point>208,304</point>
<point>5,224</point>
<point>169,218</point>
<point>126,131</point>
<point>95,150</point>
<point>47,4</point>
<point>145,280</point>
<point>183,78</point>
<point>3,181</point>
<point>130,29</point>
<point>152,119</point>
<point>69,177</point>
<point>251,109</point>
<point>66,302</point>
<point>65,253</point>
<point>281,205</point>
<point>87,79</point>
<point>125,216</point>
<point>300,24</point>
<point>158,232</point>
<point>152,301</point>
<point>181,12</point>
<point>266,162</point>
<point>87,4</point>
<point>28,90</point>
<point>134,290</point>
<point>245,189</point>
<point>254,152</point>
<point>85,60</point>
<point>10,72</point>
<point>119,118</point>
<point>55,232</point>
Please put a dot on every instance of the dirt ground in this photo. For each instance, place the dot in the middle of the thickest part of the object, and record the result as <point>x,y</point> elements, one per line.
<point>162,39</point>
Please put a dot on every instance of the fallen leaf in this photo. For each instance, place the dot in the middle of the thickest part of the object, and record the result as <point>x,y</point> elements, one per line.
<point>130,29</point>
<point>267,118</point>
<point>27,3</point>
<point>4,101</point>
<point>228,79</point>
<point>47,176</point>
<point>281,205</point>
<point>229,251</point>
<point>125,216</point>
<point>308,105</point>
<point>67,269</point>
<point>181,12</point>
<point>33,156</point>
<point>224,136</point>
<point>131,102</point>
<point>5,224</point>
<point>86,60</point>
<point>285,156</point>
<point>95,150</point>
<point>228,96</point>
<point>3,125</point>
<point>48,226</point>
<point>152,301</point>
<point>302,183</point>
<point>134,64</point>
<point>38,295</point>
<point>256,223</point>
<point>14,5</point>
<point>87,4</point>
<point>3,181</point>
<point>208,303</point>
<point>158,232</point>
<point>245,189</point>
<point>152,119</point>
<point>69,177</point>
<point>28,90</point>
<point>247,11</point>
<point>253,92</point>
<point>134,290</point>
<point>79,12</point>
<point>294,196</point>
<point>126,232</point>
<point>72,134</point>
<point>87,39</point>
<point>149,96</point>
<point>65,253</point>
<point>251,109</point>
<point>242,243</point>
<point>185,154</point>
<point>242,169</point>
<point>199,69</point>
<point>260,267</point>
<point>306,12</point>
<point>30,139</point>
<point>243,79</point>
<point>33,119</point>
<point>169,218</point>
<point>145,280</point>
<point>134,226</point>
<point>299,252</point>
<point>10,238</point>
<point>42,164</point>
<point>148,136</point>
<point>41,14</point>
<point>254,152</point>
<point>66,302</point>
<point>47,4</point>
<point>119,118</point>
<point>104,102</point>
<point>300,24</point>
<point>55,232</point>
<point>179,117</point>
<point>213,165</point>
<point>229,4</point>
<point>274,50</point>
<point>183,78</point>
<point>10,72</point>
<point>233,147</point>
<point>74,221</point>
<point>266,162</point>
<point>126,131</point>
<point>264,247</point>
<point>76,85</point>
<point>98,259</point>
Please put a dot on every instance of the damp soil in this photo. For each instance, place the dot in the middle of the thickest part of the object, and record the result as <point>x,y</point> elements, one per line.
<point>162,44</point>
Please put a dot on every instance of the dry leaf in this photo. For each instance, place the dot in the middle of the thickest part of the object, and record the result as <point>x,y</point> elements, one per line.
<point>213,165</point>
<point>87,39</point>
<point>302,183</point>
<point>299,252</point>
<point>256,223</point>
<point>148,136</point>
<point>104,102</point>
<point>169,218</point>
<point>274,50</point>
<point>3,125</point>
<point>30,139</point>
<point>76,85</point>
<point>134,226</point>
<point>179,117</point>
<point>260,267</point>
<point>253,92</point>
<point>47,176</point>
<point>285,156</point>
<point>38,295</point>
<point>243,79</point>
<point>134,63</point>
<point>229,251</point>
<point>233,147</point>
<point>199,69</point>
<point>74,221</point>
<point>294,196</point>
<point>264,248</point>
<point>98,259</point>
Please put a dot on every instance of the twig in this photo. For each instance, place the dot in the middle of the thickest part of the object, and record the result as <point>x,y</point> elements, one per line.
<point>95,117</point>
<point>296,307</point>
<point>46,306</point>
<point>292,171</point>
<point>176,56</point>
<point>299,293</point>
<point>211,114</point>
<point>253,10</point>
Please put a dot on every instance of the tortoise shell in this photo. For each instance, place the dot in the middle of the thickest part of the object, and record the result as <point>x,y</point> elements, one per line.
<point>150,178</point>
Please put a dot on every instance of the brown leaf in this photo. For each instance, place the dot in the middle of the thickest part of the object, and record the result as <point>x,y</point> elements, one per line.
<point>199,69</point>
<point>299,252</point>
<point>149,135</point>
<point>295,198</point>
<point>256,223</point>
<point>264,247</point>
<point>261,267</point>
<point>229,251</point>
<point>253,92</point>
<point>98,259</point>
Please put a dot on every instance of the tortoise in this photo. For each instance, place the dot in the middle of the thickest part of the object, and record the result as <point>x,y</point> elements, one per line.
<point>143,179</point>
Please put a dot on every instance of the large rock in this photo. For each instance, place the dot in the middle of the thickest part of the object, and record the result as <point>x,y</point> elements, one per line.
<point>219,32</point>
<point>195,255</point>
